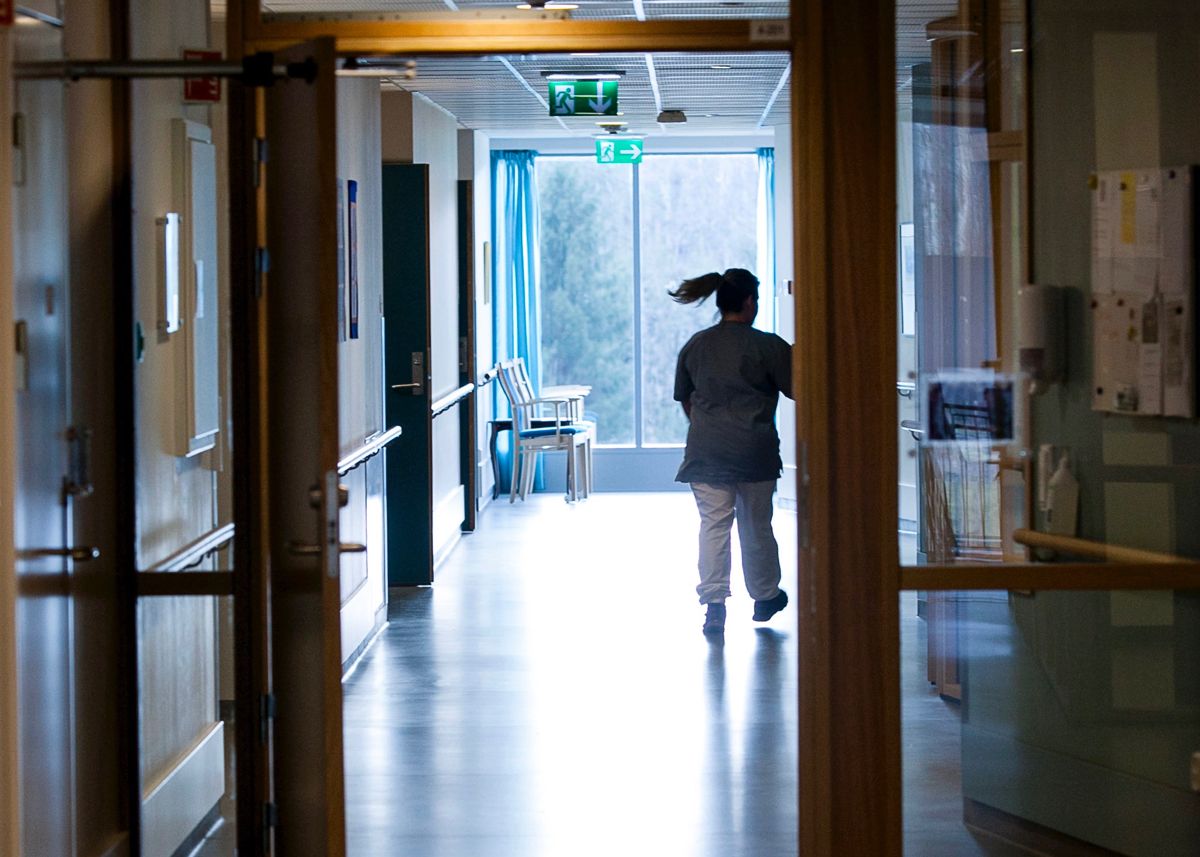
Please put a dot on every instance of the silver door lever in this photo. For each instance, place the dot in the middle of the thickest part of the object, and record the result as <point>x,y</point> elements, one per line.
<point>83,554</point>
<point>302,549</point>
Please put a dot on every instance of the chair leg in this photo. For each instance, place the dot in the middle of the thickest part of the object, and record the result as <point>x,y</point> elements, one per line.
<point>572,484</point>
<point>529,470</point>
<point>515,468</point>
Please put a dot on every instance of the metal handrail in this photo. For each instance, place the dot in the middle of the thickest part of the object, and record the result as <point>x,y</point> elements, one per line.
<point>194,552</point>
<point>451,399</point>
<point>368,450</point>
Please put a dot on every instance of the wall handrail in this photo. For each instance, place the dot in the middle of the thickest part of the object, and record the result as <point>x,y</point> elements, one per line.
<point>368,450</point>
<point>1094,550</point>
<point>451,399</point>
<point>194,552</point>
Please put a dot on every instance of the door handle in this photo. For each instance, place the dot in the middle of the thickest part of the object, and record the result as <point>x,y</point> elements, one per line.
<point>308,549</point>
<point>81,554</point>
<point>417,385</point>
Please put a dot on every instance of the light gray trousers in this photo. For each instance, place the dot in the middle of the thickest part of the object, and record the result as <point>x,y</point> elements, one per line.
<point>750,503</point>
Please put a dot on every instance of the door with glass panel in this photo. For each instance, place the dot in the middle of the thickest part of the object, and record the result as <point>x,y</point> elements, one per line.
<point>1049,613</point>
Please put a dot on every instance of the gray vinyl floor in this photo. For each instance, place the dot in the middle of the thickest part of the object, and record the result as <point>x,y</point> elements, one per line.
<point>551,695</point>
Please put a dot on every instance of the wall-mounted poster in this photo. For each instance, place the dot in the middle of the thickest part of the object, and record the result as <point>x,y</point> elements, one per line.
<point>352,248</point>
<point>341,260</point>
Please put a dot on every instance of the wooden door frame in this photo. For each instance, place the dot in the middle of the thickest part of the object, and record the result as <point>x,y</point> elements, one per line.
<point>10,816</point>
<point>843,193</point>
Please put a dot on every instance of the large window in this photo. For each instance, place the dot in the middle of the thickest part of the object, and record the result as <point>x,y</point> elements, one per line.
<point>606,317</point>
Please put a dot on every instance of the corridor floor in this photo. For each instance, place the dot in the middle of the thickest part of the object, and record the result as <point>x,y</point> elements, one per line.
<point>551,695</point>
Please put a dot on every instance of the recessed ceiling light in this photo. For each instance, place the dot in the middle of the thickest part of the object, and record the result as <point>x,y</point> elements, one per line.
<point>719,67</point>
<point>550,7</point>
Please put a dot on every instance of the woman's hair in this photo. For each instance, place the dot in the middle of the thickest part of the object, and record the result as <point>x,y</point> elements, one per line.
<point>732,288</point>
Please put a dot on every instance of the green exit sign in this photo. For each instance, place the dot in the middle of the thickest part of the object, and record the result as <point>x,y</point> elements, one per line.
<point>583,97</point>
<point>619,150</point>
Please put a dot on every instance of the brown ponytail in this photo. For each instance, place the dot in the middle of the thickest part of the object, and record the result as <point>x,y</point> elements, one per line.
<point>732,288</point>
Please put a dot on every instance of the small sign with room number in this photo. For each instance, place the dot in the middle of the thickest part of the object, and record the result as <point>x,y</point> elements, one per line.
<point>202,89</point>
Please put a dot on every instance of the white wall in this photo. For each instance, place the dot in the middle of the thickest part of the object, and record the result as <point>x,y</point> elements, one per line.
<point>360,362</point>
<point>785,271</point>
<point>435,142</point>
<point>474,162</point>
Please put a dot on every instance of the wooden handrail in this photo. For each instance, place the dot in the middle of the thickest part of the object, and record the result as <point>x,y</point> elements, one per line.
<point>1095,550</point>
<point>451,399</point>
<point>192,553</point>
<point>368,449</point>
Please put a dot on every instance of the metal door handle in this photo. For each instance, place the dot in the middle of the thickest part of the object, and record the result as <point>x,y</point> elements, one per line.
<point>83,554</point>
<point>303,549</point>
<point>418,375</point>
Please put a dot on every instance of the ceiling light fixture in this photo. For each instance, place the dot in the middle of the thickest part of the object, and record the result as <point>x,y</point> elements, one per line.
<point>583,75</point>
<point>671,116</point>
<point>720,67</point>
<point>612,127</point>
<point>561,7</point>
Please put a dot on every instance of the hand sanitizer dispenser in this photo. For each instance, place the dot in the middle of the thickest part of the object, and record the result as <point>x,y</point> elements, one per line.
<point>1062,500</point>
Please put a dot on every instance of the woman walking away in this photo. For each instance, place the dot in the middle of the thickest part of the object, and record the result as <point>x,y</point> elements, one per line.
<point>728,379</point>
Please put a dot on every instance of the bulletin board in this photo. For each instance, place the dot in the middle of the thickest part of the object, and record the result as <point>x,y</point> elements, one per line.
<point>1143,292</point>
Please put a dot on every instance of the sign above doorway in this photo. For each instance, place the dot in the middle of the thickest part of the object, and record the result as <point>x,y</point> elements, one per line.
<point>583,97</point>
<point>620,150</point>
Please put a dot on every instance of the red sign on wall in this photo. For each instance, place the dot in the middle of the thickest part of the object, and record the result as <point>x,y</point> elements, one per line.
<point>200,88</point>
<point>6,12</point>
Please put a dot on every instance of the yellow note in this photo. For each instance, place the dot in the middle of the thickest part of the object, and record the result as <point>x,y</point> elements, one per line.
<point>1128,208</point>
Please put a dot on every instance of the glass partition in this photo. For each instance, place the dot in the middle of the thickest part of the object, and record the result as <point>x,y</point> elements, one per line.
<point>1065,719</point>
<point>1046,290</point>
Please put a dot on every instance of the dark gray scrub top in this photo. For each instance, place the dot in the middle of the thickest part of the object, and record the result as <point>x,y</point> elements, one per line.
<point>733,375</point>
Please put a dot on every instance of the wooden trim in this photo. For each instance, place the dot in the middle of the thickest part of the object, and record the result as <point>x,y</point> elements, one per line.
<point>1051,576</point>
<point>254,735</point>
<point>124,448</point>
<point>153,584</point>
<point>843,124</point>
<point>481,36</point>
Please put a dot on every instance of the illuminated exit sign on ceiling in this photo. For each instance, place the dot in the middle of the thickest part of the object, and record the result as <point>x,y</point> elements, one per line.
<point>619,150</point>
<point>583,97</point>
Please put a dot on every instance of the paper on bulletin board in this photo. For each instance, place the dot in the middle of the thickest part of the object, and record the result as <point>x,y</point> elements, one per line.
<point>1104,219</point>
<point>1118,371</point>
<point>1143,274</point>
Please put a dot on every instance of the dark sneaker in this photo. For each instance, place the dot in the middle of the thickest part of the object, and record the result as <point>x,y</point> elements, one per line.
<point>714,621</point>
<point>764,610</point>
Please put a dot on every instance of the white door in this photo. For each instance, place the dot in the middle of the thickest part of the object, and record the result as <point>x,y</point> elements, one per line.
<point>41,519</point>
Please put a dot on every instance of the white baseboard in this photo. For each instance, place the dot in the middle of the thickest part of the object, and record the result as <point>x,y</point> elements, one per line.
<point>178,802</point>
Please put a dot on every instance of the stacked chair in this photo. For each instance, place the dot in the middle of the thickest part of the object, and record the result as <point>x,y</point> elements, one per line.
<point>551,421</point>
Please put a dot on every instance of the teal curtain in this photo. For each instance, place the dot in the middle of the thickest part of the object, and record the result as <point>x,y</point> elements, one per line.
<point>766,233</point>
<point>516,318</point>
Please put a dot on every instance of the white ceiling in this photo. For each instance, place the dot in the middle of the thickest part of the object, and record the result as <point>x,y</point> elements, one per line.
<point>506,96</point>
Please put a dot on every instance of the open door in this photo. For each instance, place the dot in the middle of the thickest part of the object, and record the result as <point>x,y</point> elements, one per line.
<point>299,433</point>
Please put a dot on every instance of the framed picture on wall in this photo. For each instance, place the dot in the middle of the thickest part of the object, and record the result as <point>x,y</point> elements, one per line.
<point>352,252</point>
<point>341,259</point>
<point>908,280</point>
